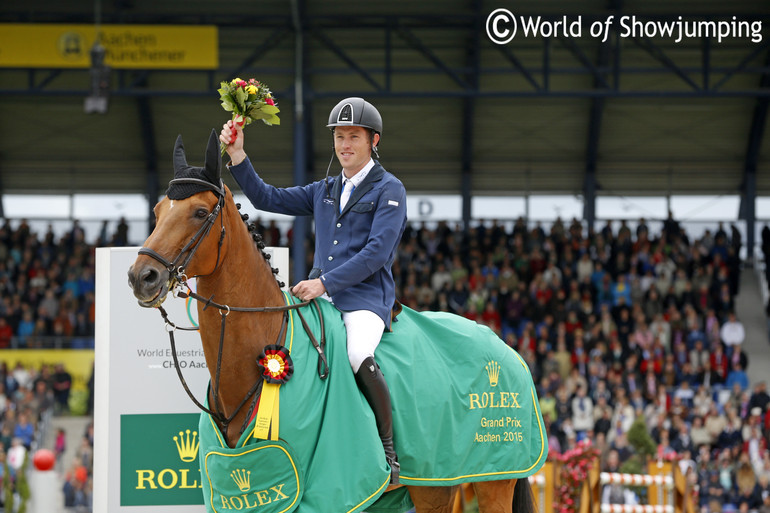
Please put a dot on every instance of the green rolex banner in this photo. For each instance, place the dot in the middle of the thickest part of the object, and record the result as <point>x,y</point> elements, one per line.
<point>159,460</point>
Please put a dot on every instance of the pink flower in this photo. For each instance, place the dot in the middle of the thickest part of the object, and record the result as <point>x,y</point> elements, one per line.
<point>269,101</point>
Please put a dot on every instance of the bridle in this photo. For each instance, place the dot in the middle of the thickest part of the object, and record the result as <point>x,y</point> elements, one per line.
<point>174,267</point>
<point>178,277</point>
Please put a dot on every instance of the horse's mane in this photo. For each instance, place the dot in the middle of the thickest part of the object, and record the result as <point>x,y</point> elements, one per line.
<point>260,243</point>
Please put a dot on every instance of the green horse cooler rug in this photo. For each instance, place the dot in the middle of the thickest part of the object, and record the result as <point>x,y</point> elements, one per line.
<point>464,408</point>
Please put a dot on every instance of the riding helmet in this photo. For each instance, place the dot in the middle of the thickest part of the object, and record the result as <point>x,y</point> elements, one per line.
<point>355,111</point>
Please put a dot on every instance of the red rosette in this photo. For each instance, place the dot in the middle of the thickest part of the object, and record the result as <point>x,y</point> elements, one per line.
<point>275,364</point>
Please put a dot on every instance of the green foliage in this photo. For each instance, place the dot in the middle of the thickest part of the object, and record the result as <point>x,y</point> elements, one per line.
<point>78,402</point>
<point>7,487</point>
<point>632,465</point>
<point>640,438</point>
<point>22,486</point>
<point>644,448</point>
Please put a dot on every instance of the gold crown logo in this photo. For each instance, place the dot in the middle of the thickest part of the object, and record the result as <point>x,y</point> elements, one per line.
<point>493,371</point>
<point>187,445</point>
<point>242,478</point>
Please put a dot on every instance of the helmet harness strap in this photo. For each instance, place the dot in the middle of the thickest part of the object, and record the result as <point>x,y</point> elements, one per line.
<point>326,178</point>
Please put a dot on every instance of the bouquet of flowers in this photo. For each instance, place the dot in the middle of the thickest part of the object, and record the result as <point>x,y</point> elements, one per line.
<point>248,101</point>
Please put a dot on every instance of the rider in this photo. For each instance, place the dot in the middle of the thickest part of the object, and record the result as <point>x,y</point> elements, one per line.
<point>359,216</point>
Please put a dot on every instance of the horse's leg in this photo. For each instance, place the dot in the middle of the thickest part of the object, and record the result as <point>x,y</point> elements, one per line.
<point>495,496</point>
<point>433,499</point>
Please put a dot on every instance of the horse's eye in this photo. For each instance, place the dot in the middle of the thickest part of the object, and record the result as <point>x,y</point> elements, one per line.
<point>201,213</point>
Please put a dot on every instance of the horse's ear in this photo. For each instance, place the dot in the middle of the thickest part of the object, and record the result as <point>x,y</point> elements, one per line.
<point>213,166</point>
<point>180,158</point>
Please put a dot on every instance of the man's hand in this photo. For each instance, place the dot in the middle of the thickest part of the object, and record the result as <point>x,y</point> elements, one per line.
<point>232,137</point>
<point>308,289</point>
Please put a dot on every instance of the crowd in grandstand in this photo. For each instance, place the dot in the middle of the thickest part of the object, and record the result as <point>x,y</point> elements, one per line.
<point>47,288</point>
<point>615,324</point>
<point>47,291</point>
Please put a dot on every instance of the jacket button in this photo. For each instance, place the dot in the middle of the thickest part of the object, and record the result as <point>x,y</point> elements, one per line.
<point>339,225</point>
<point>336,242</point>
<point>331,258</point>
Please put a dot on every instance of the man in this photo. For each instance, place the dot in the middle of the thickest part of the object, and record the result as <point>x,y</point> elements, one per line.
<point>582,413</point>
<point>732,332</point>
<point>62,382</point>
<point>359,218</point>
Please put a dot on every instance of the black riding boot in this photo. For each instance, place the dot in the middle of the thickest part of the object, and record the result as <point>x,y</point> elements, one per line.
<point>372,383</point>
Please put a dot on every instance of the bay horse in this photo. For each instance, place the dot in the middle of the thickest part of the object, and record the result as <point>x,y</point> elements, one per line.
<point>200,233</point>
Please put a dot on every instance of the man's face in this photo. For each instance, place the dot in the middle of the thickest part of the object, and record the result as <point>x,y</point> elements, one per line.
<point>353,148</point>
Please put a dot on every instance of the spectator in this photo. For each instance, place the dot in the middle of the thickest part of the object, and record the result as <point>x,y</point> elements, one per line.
<point>62,382</point>
<point>613,493</point>
<point>582,413</point>
<point>24,430</point>
<point>16,454</point>
<point>6,333</point>
<point>759,396</point>
<point>737,376</point>
<point>121,233</point>
<point>60,444</point>
<point>732,332</point>
<point>699,435</point>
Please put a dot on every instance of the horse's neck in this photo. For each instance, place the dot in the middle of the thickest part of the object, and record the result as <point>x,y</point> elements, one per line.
<point>243,279</point>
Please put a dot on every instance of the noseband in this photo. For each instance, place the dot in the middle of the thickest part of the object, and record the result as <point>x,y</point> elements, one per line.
<point>175,269</point>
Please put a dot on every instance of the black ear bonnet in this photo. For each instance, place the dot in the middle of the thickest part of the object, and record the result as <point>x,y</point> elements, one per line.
<point>211,172</point>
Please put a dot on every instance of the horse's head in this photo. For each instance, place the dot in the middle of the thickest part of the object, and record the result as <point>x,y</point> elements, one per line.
<point>180,244</point>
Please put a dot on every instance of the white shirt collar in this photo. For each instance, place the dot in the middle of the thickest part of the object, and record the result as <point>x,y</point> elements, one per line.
<point>359,177</point>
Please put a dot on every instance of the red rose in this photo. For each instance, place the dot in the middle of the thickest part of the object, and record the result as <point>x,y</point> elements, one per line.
<point>269,101</point>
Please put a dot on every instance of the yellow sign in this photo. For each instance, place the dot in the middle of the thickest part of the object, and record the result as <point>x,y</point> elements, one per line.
<point>78,362</point>
<point>50,45</point>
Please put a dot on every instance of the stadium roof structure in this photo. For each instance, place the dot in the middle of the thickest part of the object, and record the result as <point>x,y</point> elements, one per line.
<point>635,113</point>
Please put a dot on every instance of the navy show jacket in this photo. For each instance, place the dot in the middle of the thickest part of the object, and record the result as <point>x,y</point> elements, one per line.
<point>354,249</point>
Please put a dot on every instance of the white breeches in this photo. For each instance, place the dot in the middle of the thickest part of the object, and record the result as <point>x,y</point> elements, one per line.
<point>365,330</point>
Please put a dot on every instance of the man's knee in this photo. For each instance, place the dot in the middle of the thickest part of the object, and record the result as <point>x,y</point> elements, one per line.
<point>356,356</point>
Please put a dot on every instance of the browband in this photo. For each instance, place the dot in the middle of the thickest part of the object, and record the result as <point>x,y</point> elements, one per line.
<point>219,190</point>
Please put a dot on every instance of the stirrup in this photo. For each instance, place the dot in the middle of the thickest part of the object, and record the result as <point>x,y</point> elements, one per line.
<point>395,469</point>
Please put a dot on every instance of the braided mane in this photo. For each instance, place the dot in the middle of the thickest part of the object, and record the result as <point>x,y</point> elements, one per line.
<point>252,227</point>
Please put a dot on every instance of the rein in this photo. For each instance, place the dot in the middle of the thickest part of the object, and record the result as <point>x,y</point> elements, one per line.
<point>224,310</point>
<point>178,277</point>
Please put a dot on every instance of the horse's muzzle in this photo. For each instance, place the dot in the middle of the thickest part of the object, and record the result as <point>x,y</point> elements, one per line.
<point>150,284</point>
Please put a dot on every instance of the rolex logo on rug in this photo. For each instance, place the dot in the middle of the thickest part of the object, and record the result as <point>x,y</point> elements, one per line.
<point>187,446</point>
<point>493,371</point>
<point>242,478</point>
